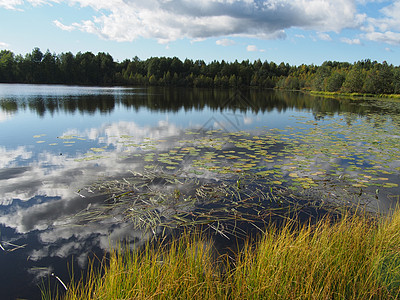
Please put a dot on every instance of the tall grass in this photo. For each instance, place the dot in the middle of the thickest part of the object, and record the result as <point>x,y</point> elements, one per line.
<point>355,257</point>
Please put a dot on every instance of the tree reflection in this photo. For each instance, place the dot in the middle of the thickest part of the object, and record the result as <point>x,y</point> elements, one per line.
<point>174,99</point>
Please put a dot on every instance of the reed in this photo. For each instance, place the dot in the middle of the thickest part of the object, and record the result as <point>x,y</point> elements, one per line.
<point>353,257</point>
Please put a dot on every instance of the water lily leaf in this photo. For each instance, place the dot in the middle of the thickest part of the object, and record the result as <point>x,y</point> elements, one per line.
<point>97,149</point>
<point>89,158</point>
<point>67,137</point>
<point>390,185</point>
<point>150,166</point>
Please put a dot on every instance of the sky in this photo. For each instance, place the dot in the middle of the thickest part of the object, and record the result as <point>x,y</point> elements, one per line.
<point>290,31</point>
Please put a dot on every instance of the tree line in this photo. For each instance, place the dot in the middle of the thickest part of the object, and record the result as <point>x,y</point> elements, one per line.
<point>364,76</point>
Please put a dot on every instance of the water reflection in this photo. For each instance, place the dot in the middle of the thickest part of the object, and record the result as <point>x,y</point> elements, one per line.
<point>69,100</point>
<point>57,142</point>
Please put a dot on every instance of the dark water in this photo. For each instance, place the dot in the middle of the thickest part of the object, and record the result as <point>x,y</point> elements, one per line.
<point>58,143</point>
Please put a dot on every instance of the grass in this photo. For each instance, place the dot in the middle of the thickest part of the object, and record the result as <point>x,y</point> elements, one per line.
<point>355,257</point>
<point>355,95</point>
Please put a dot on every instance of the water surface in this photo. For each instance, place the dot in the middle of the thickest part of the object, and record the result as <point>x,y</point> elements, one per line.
<point>60,146</point>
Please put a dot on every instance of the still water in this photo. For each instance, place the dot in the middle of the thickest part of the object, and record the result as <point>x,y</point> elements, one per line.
<point>66,151</point>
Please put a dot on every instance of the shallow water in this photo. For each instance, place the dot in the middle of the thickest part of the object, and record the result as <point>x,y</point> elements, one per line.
<point>62,147</point>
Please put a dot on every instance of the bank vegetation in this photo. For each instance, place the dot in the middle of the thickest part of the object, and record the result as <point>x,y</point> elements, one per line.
<point>361,77</point>
<point>355,257</point>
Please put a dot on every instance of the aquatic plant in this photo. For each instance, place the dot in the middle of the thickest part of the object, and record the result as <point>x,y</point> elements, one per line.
<point>354,257</point>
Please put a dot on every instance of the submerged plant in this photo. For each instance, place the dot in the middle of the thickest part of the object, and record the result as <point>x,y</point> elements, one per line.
<point>156,201</point>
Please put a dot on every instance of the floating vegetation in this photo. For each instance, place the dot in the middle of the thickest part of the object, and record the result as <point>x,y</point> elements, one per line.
<point>156,202</point>
<point>215,177</point>
<point>10,247</point>
<point>89,158</point>
<point>97,149</point>
<point>67,137</point>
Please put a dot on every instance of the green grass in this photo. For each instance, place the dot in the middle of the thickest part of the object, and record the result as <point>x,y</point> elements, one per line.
<point>355,257</point>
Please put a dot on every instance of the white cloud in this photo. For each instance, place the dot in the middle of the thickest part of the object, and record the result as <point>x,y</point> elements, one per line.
<point>15,4</point>
<point>388,37</point>
<point>225,42</point>
<point>4,45</point>
<point>252,48</point>
<point>324,36</point>
<point>197,40</point>
<point>63,27</point>
<point>170,20</point>
<point>351,41</point>
<point>10,4</point>
<point>386,28</point>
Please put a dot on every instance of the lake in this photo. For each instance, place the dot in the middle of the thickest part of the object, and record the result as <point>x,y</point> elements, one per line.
<point>84,167</point>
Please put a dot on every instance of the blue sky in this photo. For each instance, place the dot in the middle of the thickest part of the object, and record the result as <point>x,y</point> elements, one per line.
<point>292,31</point>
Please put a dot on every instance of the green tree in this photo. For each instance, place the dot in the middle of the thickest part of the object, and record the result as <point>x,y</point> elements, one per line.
<point>396,80</point>
<point>67,68</point>
<point>321,76</point>
<point>106,68</point>
<point>335,81</point>
<point>32,67</point>
<point>354,80</point>
<point>7,66</point>
<point>153,80</point>
<point>254,80</point>
<point>292,83</point>
<point>167,79</point>
<point>50,69</point>
<point>233,81</point>
<point>379,79</point>
<point>88,68</point>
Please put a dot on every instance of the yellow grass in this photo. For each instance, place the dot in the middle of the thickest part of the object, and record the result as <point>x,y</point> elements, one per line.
<point>356,257</point>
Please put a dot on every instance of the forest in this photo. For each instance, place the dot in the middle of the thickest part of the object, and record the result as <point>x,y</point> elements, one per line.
<point>364,76</point>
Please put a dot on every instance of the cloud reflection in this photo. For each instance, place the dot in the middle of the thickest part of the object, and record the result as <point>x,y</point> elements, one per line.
<point>50,182</point>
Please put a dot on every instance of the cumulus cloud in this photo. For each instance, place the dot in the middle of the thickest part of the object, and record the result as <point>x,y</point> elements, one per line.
<point>170,20</point>
<point>384,29</point>
<point>388,37</point>
<point>225,42</point>
<point>254,48</point>
<point>324,36</point>
<point>351,41</point>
